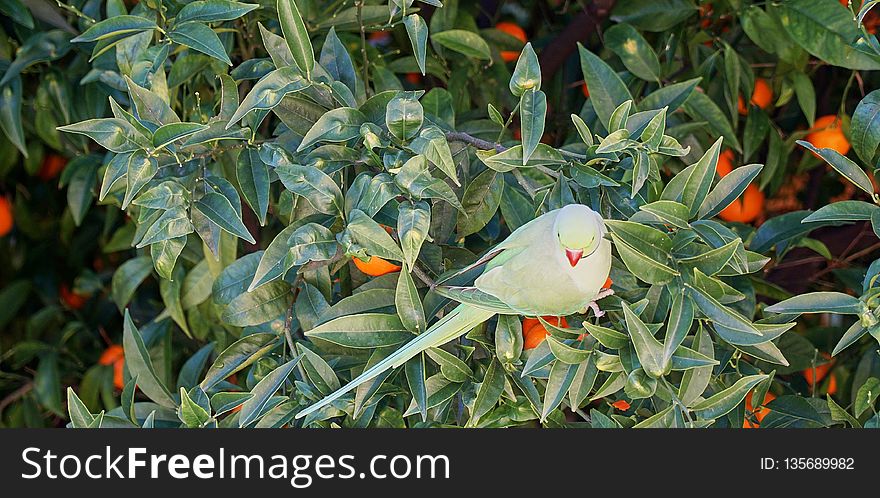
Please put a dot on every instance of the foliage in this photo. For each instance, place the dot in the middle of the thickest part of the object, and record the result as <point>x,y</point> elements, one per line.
<point>235,159</point>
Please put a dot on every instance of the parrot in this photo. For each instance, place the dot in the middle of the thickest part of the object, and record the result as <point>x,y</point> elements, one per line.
<point>554,265</point>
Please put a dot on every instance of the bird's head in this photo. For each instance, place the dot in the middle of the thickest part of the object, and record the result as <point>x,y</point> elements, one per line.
<point>579,230</point>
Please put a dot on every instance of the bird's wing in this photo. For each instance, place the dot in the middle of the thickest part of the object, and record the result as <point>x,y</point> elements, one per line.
<point>476,298</point>
<point>521,238</point>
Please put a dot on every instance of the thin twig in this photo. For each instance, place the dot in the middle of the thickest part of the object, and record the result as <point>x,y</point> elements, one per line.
<point>460,136</point>
<point>524,182</point>
<point>16,395</point>
<point>424,277</point>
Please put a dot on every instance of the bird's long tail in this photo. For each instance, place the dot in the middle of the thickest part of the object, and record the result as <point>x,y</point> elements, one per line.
<point>456,323</point>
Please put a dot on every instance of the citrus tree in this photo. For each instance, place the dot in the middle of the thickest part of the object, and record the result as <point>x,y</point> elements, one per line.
<point>262,199</point>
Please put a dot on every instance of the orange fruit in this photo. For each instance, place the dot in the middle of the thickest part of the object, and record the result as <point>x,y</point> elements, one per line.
<point>725,163</point>
<point>534,332</point>
<point>827,133</point>
<point>71,299</point>
<point>585,90</point>
<point>762,96</point>
<point>621,405</point>
<point>747,208</point>
<point>6,218</point>
<point>760,414</point>
<point>706,12</point>
<point>515,31</point>
<point>608,283</point>
<point>379,38</point>
<point>375,266</point>
<point>52,165</point>
<point>414,78</point>
<point>114,355</point>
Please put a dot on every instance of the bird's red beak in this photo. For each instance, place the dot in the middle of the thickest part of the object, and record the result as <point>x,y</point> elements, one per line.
<point>574,255</point>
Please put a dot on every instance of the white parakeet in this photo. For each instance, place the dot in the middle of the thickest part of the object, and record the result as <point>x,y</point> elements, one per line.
<point>554,265</point>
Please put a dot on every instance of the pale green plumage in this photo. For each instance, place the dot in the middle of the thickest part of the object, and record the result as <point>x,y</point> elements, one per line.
<point>527,274</point>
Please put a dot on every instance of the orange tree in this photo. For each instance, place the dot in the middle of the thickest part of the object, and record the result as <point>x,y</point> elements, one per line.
<point>259,198</point>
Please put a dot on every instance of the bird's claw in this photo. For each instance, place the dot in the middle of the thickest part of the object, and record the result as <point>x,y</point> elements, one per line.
<point>595,306</point>
<point>596,310</point>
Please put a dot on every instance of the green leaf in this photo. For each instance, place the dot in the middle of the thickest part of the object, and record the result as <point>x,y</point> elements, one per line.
<point>269,91</point>
<point>480,201</point>
<point>806,95</point>
<point>671,96</point>
<point>826,29</point>
<point>653,15</point>
<point>239,355</point>
<point>819,302</point>
<point>728,190</point>
<point>338,125</point>
<point>337,61</point>
<point>364,331</point>
<point>80,417</point>
<point>189,412</point>
<point>200,38</point>
<point>297,36</point>
<point>409,304</point>
<point>648,348</point>
<point>489,392</point>
<point>865,127</point>
<point>512,158</point>
<point>843,165</point>
<point>463,42</point>
<point>150,106</point>
<point>607,90</point>
<point>253,179</point>
<point>115,135</point>
<point>217,208</point>
<point>417,30</point>
<point>372,236</point>
<point>702,108</point>
<point>115,26</point>
<point>171,132</point>
<point>533,111</point>
<point>635,52</point>
<point>866,396</point>
<point>413,223</point>
<point>127,278</point>
<point>318,371</point>
<point>138,362</point>
<point>432,144</point>
<point>451,366</point>
<point>695,381</point>
<point>527,73</point>
<point>561,377</point>
<point>213,11</point>
<point>313,184</point>
<point>10,120</point>
<point>261,305</point>
<point>404,116</point>
<point>724,401</point>
<point>253,408</point>
<point>172,223</point>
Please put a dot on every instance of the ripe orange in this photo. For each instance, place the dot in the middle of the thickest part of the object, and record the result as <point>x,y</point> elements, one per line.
<point>379,38</point>
<point>414,78</point>
<point>827,133</point>
<point>114,355</point>
<point>71,299</point>
<point>6,218</point>
<point>760,414</point>
<point>534,332</point>
<point>747,208</point>
<point>762,96</point>
<point>375,266</point>
<point>515,31</point>
<point>621,405</point>
<point>585,90</point>
<point>52,165</point>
